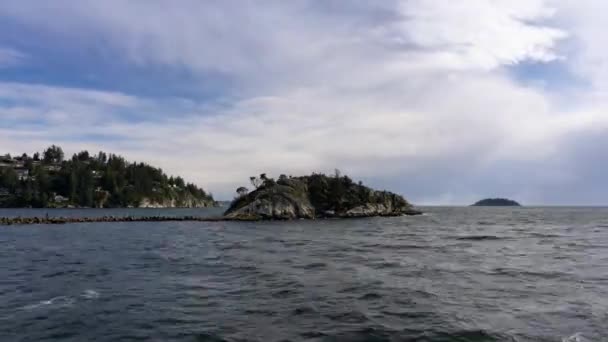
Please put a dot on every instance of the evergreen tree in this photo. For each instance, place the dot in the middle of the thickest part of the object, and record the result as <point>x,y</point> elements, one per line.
<point>53,155</point>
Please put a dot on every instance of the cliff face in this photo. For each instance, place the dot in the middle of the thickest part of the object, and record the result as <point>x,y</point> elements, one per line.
<point>316,196</point>
<point>276,201</point>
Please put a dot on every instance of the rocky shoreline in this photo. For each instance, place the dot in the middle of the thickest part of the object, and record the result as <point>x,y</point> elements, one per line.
<point>8,221</point>
<point>19,221</point>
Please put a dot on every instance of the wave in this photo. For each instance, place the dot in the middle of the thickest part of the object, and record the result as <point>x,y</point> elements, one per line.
<point>371,296</point>
<point>90,294</point>
<point>205,337</point>
<point>527,273</point>
<point>481,238</point>
<point>486,223</point>
<point>313,266</point>
<point>352,317</point>
<point>382,334</point>
<point>546,235</point>
<point>394,246</point>
<point>62,301</point>
<point>304,310</point>
<point>578,337</point>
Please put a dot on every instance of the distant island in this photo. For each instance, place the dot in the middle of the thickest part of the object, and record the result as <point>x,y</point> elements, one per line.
<point>314,196</point>
<point>102,181</point>
<point>496,202</point>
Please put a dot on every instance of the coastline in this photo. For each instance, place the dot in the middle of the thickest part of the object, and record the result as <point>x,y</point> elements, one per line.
<point>20,221</point>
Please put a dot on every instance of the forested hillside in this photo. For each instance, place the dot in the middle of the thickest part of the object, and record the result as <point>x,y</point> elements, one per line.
<point>85,180</point>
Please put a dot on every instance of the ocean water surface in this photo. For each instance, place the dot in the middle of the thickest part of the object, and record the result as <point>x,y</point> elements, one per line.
<point>454,274</point>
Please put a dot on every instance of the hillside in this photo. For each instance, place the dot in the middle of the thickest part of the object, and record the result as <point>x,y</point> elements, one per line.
<point>314,196</point>
<point>102,180</point>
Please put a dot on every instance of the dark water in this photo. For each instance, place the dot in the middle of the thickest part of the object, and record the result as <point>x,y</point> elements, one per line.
<point>457,274</point>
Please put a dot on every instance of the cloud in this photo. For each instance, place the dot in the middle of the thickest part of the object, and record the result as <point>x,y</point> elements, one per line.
<point>477,33</point>
<point>588,57</point>
<point>412,95</point>
<point>301,41</point>
<point>10,57</point>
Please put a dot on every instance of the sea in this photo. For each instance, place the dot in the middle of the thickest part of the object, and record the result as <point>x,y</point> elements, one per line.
<point>455,274</point>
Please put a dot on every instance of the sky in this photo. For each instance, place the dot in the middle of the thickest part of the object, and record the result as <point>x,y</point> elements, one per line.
<point>445,102</point>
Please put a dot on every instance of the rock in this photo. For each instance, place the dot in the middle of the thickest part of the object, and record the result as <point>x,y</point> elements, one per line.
<point>272,204</point>
<point>316,196</point>
<point>366,210</point>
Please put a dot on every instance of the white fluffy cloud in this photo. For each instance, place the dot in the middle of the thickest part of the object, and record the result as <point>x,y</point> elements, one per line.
<point>384,92</point>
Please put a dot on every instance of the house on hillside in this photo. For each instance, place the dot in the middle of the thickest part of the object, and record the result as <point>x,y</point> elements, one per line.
<point>52,168</point>
<point>22,173</point>
<point>4,192</point>
<point>20,160</point>
<point>17,162</point>
<point>7,162</point>
<point>60,199</point>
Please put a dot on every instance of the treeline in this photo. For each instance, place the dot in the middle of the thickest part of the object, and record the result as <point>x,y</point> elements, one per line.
<point>85,180</point>
<point>338,193</point>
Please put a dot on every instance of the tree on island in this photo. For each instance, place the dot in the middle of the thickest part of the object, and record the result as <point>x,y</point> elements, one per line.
<point>257,182</point>
<point>242,191</point>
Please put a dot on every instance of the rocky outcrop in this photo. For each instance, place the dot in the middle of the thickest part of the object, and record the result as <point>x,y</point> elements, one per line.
<point>276,207</point>
<point>285,201</point>
<point>316,196</point>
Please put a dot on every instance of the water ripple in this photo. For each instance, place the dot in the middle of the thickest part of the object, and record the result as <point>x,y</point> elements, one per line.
<point>454,275</point>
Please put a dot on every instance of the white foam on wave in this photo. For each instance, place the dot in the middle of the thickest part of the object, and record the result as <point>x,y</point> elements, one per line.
<point>62,301</point>
<point>578,337</point>
<point>90,294</point>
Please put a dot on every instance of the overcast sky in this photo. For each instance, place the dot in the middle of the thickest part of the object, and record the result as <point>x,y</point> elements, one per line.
<point>445,102</point>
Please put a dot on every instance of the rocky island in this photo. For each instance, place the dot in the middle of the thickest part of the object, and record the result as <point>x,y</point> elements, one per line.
<point>102,180</point>
<point>496,202</point>
<point>314,196</point>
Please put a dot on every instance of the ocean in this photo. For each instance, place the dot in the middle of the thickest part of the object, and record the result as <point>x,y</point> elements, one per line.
<point>454,274</point>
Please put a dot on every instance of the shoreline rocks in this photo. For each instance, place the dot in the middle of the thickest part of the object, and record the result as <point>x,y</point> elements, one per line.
<point>8,221</point>
<point>21,221</point>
